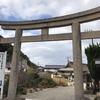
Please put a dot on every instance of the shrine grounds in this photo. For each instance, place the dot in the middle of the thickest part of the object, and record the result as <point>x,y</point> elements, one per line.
<point>57,93</point>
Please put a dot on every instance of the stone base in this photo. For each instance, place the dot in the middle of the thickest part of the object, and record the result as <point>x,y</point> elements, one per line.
<point>14,99</point>
<point>85,98</point>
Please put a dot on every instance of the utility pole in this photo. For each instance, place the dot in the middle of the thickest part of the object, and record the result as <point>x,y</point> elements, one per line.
<point>92,41</point>
<point>68,59</point>
<point>38,64</point>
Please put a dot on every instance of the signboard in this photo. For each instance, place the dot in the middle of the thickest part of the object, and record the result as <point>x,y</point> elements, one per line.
<point>97,62</point>
<point>2,71</point>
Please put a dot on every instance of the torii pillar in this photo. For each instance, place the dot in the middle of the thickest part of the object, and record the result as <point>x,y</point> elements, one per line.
<point>77,59</point>
<point>14,67</point>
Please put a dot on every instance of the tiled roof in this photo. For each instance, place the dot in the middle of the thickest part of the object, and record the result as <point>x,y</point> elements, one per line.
<point>70,64</point>
<point>69,69</point>
<point>54,66</point>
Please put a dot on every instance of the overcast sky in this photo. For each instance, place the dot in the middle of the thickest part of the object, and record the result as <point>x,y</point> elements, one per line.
<point>47,53</point>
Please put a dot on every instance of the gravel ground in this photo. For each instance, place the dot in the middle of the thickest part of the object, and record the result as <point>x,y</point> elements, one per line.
<point>58,93</point>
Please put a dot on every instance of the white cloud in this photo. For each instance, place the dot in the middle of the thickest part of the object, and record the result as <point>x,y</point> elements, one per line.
<point>47,52</point>
<point>31,32</point>
<point>6,34</point>
<point>34,8</point>
<point>60,30</point>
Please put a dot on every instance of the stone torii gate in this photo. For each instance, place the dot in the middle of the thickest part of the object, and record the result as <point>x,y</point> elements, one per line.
<point>74,20</point>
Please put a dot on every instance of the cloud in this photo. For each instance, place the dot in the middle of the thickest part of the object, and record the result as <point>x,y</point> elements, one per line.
<point>33,9</point>
<point>90,26</point>
<point>66,29</point>
<point>31,32</point>
<point>47,52</point>
<point>7,34</point>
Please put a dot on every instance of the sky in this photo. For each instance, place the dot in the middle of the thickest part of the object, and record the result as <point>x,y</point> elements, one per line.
<point>48,53</point>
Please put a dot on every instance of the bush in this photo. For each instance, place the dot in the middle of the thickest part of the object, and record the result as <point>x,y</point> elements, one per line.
<point>46,82</point>
<point>95,98</point>
<point>5,89</point>
<point>31,91</point>
<point>24,92</point>
<point>21,90</point>
<point>32,78</point>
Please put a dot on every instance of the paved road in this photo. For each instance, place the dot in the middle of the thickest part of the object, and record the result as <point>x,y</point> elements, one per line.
<point>58,93</point>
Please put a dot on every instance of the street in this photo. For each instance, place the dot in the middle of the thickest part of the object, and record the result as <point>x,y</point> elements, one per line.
<point>57,93</point>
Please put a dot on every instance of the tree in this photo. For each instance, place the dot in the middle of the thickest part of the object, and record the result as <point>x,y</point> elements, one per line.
<point>93,52</point>
<point>32,78</point>
<point>45,81</point>
<point>2,48</point>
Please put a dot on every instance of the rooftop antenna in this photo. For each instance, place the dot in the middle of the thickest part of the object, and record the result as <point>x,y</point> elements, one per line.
<point>88,30</point>
<point>68,59</point>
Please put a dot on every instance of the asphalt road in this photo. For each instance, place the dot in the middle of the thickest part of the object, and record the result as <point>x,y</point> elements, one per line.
<point>58,93</point>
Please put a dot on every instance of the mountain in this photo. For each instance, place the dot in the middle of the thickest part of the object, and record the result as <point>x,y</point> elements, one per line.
<point>9,49</point>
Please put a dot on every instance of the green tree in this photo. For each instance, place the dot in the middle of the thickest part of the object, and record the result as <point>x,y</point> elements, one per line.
<point>5,89</point>
<point>45,81</point>
<point>93,52</point>
<point>32,78</point>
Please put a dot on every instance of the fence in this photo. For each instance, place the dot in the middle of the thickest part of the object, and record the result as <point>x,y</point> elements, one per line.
<point>61,81</point>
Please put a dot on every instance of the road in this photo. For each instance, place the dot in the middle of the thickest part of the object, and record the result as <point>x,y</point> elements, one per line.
<point>58,93</point>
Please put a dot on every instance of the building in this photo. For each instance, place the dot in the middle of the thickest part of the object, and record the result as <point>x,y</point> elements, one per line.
<point>68,71</point>
<point>22,66</point>
<point>40,69</point>
<point>53,68</point>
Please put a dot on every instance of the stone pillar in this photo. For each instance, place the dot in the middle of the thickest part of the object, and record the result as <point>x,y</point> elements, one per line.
<point>77,59</point>
<point>14,66</point>
<point>45,31</point>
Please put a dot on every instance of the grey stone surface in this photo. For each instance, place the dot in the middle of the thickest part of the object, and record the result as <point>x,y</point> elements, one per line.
<point>61,93</point>
<point>52,37</point>
<point>14,66</point>
<point>77,58</point>
<point>58,93</point>
<point>45,31</point>
<point>14,99</point>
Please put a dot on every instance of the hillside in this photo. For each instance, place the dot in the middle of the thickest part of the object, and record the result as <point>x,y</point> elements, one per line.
<point>9,49</point>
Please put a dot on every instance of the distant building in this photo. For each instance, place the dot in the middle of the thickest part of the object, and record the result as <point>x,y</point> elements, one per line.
<point>68,72</point>
<point>40,69</point>
<point>43,73</point>
<point>22,66</point>
<point>53,68</point>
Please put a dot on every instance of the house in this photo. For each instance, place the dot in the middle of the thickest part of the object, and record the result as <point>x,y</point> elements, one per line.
<point>43,73</point>
<point>40,69</point>
<point>7,68</point>
<point>22,66</point>
<point>68,71</point>
<point>55,75</point>
<point>84,66</point>
<point>53,68</point>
